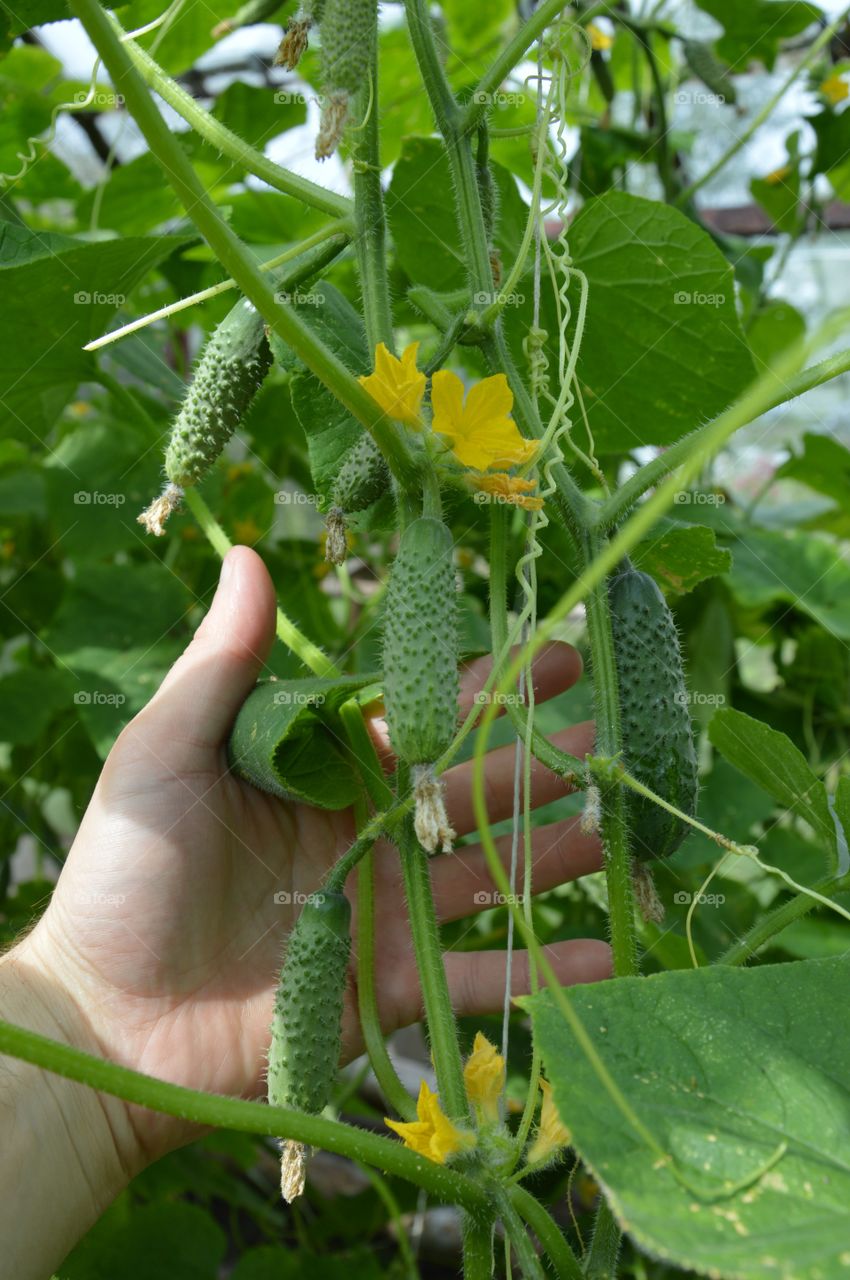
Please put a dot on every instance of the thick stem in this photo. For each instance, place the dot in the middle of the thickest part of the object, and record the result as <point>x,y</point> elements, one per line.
<point>651,473</point>
<point>601,1261</point>
<point>608,730</point>
<point>564,1262</point>
<point>369,219</point>
<point>439,1015</point>
<point>507,60</point>
<point>231,253</point>
<point>229,143</point>
<point>529,1263</point>
<point>478,1247</point>
<point>221,1112</point>
<point>766,929</point>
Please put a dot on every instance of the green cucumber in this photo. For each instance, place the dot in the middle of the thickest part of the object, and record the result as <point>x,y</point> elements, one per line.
<point>363,477</point>
<point>306,1031</point>
<point>704,64</point>
<point>420,666</point>
<point>656,725</point>
<point>348,31</point>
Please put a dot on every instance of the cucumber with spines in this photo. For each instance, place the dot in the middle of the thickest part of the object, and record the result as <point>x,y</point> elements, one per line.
<point>658,743</point>
<point>348,30</point>
<point>362,479</point>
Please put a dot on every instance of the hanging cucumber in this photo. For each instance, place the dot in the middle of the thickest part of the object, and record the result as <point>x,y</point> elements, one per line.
<point>348,30</point>
<point>363,477</point>
<point>307,1023</point>
<point>228,375</point>
<point>420,667</point>
<point>656,725</point>
<point>704,64</point>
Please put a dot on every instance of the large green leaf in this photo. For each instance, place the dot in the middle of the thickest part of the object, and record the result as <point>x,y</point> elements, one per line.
<point>682,558</point>
<point>661,299</point>
<point>149,1243</point>
<point>754,29</point>
<point>743,1079</point>
<point>807,572</point>
<point>287,740</point>
<point>55,301</point>
<point>823,465</point>
<point>773,762</point>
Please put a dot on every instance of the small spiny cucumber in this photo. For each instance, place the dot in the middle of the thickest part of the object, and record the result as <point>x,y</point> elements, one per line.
<point>703,63</point>
<point>348,30</point>
<point>306,1027</point>
<point>420,666</point>
<point>227,376</point>
<point>655,722</point>
<point>362,479</point>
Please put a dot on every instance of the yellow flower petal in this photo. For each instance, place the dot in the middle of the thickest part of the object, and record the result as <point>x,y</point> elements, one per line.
<point>512,489</point>
<point>432,1133</point>
<point>835,89</point>
<point>481,434</point>
<point>552,1133</point>
<point>484,1076</point>
<point>599,39</point>
<point>397,385</point>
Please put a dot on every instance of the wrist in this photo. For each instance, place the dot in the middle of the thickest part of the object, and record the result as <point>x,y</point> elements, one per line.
<point>63,1144</point>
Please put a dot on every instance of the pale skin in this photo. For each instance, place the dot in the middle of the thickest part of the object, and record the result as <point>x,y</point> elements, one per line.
<point>161,944</point>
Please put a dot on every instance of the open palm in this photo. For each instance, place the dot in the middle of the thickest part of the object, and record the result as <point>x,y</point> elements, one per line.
<point>169,919</point>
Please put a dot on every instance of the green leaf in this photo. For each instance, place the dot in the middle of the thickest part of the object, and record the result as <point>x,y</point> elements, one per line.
<point>258,115</point>
<point>755,30</point>
<point>824,465</point>
<point>775,327</point>
<point>149,1243</point>
<point>287,740</point>
<point>29,699</point>
<point>773,762</point>
<point>659,291</point>
<point>55,301</point>
<point>742,1077</point>
<point>681,558</point>
<point>806,571</point>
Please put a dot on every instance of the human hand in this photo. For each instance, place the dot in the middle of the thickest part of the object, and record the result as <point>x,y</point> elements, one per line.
<point>167,924</point>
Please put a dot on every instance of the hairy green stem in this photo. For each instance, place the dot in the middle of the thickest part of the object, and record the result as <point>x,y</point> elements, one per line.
<point>439,1015</point>
<point>601,1260</point>
<point>369,218</point>
<point>529,1263</point>
<point>506,60</point>
<point>564,1262</point>
<point>651,473</point>
<point>228,142</point>
<point>104,33</point>
<point>772,924</point>
<point>287,631</point>
<point>478,1247</point>
<point>608,729</point>
<point>222,1112</point>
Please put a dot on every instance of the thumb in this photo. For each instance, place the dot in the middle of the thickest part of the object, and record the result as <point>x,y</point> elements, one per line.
<point>202,693</point>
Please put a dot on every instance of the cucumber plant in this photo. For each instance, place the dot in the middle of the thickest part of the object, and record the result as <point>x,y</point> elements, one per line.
<point>481,484</point>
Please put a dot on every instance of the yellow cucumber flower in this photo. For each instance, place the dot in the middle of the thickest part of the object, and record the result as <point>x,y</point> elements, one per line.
<point>397,385</point>
<point>835,89</point>
<point>432,1133</point>
<point>598,38</point>
<point>484,1077</point>
<point>511,489</point>
<point>552,1133</point>
<point>480,432</point>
